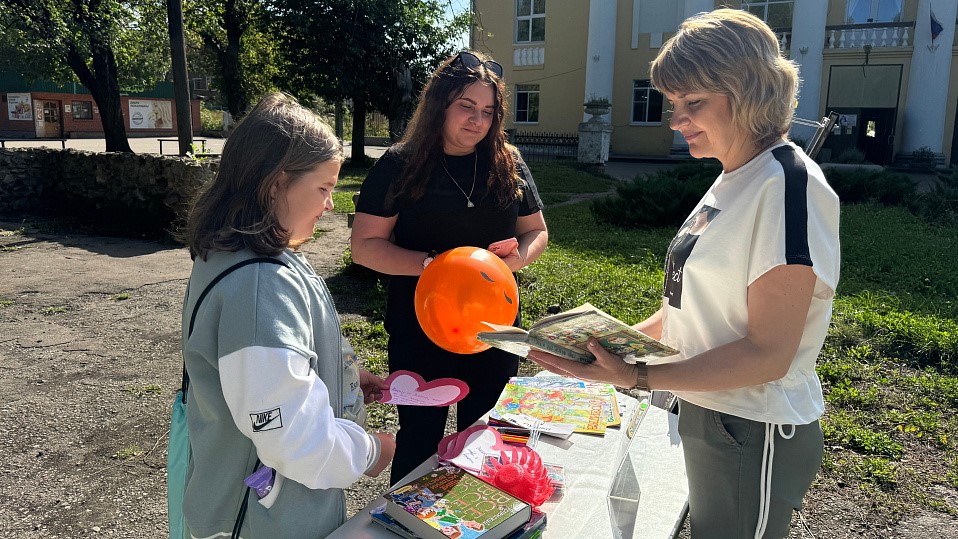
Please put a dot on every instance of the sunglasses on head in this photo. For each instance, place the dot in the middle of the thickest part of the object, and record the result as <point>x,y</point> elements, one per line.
<point>471,61</point>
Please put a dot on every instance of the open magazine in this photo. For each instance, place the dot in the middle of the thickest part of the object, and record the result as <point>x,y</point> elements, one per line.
<point>566,334</point>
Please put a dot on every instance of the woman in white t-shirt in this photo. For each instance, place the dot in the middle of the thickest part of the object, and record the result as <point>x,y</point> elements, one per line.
<point>749,284</point>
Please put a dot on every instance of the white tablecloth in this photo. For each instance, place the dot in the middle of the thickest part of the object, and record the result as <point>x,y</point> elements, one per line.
<point>590,463</point>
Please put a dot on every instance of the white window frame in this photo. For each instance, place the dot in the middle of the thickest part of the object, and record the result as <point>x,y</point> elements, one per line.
<point>873,12</point>
<point>527,90</point>
<point>527,18</point>
<point>765,4</point>
<point>645,85</point>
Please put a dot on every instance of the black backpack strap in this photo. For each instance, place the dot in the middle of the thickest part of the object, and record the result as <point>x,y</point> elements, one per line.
<point>260,260</point>
<point>241,516</point>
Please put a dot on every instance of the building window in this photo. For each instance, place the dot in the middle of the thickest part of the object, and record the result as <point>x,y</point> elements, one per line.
<point>865,11</point>
<point>530,21</point>
<point>82,110</point>
<point>646,103</point>
<point>527,103</point>
<point>777,13</point>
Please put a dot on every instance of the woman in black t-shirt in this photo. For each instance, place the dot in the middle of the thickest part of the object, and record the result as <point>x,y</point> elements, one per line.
<point>452,181</point>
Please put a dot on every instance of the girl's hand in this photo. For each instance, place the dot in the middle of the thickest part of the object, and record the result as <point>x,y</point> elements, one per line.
<point>508,251</point>
<point>514,260</point>
<point>371,385</point>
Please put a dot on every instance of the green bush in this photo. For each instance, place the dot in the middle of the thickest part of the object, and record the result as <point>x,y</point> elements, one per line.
<point>851,155</point>
<point>939,205</point>
<point>923,158</point>
<point>666,197</point>
<point>211,120</point>
<point>856,186</point>
<point>663,199</point>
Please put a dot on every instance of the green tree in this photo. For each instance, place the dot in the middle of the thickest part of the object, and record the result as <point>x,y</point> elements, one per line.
<point>363,50</point>
<point>236,46</point>
<point>104,44</point>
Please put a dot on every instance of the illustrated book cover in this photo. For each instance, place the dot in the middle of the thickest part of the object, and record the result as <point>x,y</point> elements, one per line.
<point>566,334</point>
<point>530,530</point>
<point>448,502</point>
<point>610,406</point>
<point>583,411</point>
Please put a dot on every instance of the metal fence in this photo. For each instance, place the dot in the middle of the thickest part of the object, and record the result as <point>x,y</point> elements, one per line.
<point>545,146</point>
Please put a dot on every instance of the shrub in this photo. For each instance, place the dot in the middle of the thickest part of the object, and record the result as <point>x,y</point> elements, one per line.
<point>661,199</point>
<point>851,155</point>
<point>856,186</point>
<point>211,120</point>
<point>923,158</point>
<point>939,205</point>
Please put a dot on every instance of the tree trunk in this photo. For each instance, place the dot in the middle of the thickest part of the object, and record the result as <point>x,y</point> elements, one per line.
<point>359,131</point>
<point>105,89</point>
<point>236,101</point>
<point>339,120</point>
<point>235,24</point>
<point>181,88</point>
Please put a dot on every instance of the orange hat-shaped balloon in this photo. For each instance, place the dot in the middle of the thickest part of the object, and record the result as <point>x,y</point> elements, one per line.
<point>459,290</point>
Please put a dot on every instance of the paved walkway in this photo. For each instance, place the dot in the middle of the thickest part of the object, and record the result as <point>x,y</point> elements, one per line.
<point>138,144</point>
<point>147,145</point>
<point>628,170</point>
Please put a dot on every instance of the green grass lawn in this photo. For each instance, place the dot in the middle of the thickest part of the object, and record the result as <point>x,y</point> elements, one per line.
<point>889,367</point>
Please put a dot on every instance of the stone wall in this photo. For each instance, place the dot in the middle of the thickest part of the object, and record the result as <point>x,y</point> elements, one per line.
<point>143,191</point>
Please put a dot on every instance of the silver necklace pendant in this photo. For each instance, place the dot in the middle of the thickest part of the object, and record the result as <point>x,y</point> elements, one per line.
<point>472,189</point>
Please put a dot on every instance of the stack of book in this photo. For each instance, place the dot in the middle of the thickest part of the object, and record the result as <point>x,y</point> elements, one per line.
<point>449,503</point>
<point>586,406</point>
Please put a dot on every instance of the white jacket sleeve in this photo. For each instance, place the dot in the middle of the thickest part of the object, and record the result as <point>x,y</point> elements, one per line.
<point>283,407</point>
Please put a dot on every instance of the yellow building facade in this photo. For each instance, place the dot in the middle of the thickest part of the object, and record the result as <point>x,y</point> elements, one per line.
<point>886,66</point>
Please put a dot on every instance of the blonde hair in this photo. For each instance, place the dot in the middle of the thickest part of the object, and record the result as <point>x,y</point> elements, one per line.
<point>733,53</point>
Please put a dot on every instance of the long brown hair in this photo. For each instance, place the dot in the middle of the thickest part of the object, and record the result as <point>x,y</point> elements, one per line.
<point>422,144</point>
<point>236,210</point>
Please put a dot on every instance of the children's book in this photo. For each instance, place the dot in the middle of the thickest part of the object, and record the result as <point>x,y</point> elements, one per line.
<point>610,405</point>
<point>530,423</point>
<point>449,503</point>
<point>530,530</point>
<point>566,334</point>
<point>583,411</point>
<point>390,524</point>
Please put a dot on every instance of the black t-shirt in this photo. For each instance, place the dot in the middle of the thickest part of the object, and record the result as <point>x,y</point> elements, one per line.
<point>440,219</point>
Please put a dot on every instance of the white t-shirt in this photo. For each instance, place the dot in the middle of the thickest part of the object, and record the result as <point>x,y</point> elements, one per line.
<point>776,209</point>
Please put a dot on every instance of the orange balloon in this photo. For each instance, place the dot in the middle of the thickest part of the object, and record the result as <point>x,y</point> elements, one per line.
<point>460,289</point>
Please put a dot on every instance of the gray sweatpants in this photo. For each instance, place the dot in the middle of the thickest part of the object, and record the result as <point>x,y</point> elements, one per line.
<point>723,460</point>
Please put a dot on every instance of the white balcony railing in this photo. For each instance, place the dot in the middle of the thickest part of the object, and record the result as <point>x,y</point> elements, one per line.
<point>856,36</point>
<point>528,56</point>
<point>784,39</point>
